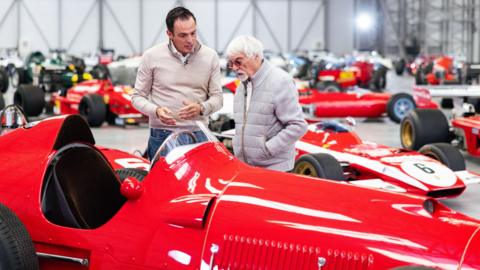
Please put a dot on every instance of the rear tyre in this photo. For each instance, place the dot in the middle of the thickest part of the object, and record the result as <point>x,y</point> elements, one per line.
<point>93,109</point>
<point>16,247</point>
<point>400,67</point>
<point>329,87</point>
<point>424,126</point>
<point>100,72</point>
<point>399,105</point>
<point>446,154</point>
<point>379,79</point>
<point>446,103</point>
<point>3,80</point>
<point>319,165</point>
<point>420,76</point>
<point>2,102</point>
<point>30,98</point>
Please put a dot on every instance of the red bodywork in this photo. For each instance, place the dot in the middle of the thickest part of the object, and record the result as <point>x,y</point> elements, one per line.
<point>204,209</point>
<point>359,73</point>
<point>442,65</point>
<point>343,104</point>
<point>117,98</point>
<point>470,127</point>
<point>382,166</point>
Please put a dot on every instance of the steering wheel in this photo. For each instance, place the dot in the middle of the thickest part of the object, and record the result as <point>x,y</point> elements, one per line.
<point>165,148</point>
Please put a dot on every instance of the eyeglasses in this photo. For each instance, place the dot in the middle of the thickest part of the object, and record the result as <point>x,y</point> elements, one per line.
<point>235,63</point>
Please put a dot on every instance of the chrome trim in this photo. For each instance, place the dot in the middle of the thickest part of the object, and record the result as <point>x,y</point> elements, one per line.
<point>321,262</point>
<point>214,250</point>
<point>83,262</point>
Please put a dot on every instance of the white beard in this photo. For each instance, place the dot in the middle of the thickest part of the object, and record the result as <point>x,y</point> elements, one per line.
<point>242,77</point>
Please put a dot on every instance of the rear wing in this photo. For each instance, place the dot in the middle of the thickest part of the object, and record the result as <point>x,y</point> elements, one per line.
<point>458,93</point>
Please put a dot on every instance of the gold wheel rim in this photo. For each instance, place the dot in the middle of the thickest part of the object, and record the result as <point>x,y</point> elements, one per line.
<point>407,134</point>
<point>305,168</point>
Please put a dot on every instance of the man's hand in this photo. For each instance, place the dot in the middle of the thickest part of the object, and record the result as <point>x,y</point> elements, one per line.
<point>165,115</point>
<point>190,111</point>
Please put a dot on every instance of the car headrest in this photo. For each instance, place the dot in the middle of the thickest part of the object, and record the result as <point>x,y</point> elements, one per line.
<point>74,129</point>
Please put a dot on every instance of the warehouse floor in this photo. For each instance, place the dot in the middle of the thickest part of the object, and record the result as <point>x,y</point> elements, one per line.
<point>379,130</point>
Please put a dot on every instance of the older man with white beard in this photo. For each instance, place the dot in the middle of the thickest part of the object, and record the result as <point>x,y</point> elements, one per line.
<point>268,116</point>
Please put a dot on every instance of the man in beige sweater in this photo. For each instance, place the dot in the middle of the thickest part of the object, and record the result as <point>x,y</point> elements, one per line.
<point>178,82</point>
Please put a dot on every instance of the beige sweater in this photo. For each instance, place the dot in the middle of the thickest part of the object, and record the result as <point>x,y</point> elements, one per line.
<point>163,80</point>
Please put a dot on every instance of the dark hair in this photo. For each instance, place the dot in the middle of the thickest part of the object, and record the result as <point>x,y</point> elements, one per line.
<point>178,13</point>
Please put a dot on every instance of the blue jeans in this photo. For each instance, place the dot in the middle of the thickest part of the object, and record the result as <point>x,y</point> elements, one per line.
<point>158,136</point>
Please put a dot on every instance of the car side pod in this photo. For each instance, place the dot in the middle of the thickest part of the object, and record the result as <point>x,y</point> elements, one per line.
<point>469,258</point>
<point>131,188</point>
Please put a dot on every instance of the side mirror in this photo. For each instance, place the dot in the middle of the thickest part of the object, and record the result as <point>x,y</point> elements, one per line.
<point>131,188</point>
<point>12,117</point>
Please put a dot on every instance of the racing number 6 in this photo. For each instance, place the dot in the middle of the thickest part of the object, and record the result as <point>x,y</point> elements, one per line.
<point>424,168</point>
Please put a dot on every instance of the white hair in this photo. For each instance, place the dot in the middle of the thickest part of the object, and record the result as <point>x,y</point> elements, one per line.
<point>247,45</point>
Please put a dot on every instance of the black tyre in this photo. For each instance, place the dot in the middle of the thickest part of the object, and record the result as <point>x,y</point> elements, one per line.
<point>446,103</point>
<point>446,154</point>
<point>379,79</point>
<point>399,105</point>
<point>23,76</point>
<point>30,98</point>
<point>420,76</point>
<point>3,80</point>
<point>16,247</point>
<point>400,67</point>
<point>46,80</point>
<point>100,72</point>
<point>93,109</point>
<point>330,87</point>
<point>319,165</point>
<point>2,102</point>
<point>424,126</point>
<point>136,173</point>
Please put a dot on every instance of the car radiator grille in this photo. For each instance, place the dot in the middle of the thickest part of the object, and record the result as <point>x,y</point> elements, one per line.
<point>243,252</point>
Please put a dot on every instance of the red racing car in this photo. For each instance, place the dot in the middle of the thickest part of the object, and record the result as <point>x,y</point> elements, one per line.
<point>331,150</point>
<point>421,127</point>
<point>357,103</point>
<point>200,208</point>
<point>97,100</point>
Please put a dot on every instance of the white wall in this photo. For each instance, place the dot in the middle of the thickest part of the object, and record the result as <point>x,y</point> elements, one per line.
<point>129,29</point>
<point>340,26</point>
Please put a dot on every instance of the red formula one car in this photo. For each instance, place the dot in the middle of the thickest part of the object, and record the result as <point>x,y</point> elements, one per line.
<point>358,103</point>
<point>331,150</point>
<point>200,208</point>
<point>421,127</point>
<point>97,100</point>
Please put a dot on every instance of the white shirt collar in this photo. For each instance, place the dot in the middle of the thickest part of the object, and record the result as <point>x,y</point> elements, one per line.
<point>182,58</point>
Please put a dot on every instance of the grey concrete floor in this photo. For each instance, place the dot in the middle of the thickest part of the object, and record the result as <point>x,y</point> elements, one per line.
<point>378,130</point>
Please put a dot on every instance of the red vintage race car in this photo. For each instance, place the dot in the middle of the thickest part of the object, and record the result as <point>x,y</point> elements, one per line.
<point>97,100</point>
<point>332,150</point>
<point>421,127</point>
<point>357,103</point>
<point>200,208</point>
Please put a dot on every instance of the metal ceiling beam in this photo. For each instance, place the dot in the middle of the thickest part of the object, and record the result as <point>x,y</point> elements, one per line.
<point>80,27</point>
<point>310,24</point>
<point>35,24</point>
<point>5,16</point>
<point>120,27</point>
<point>270,30</point>
<point>237,26</point>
